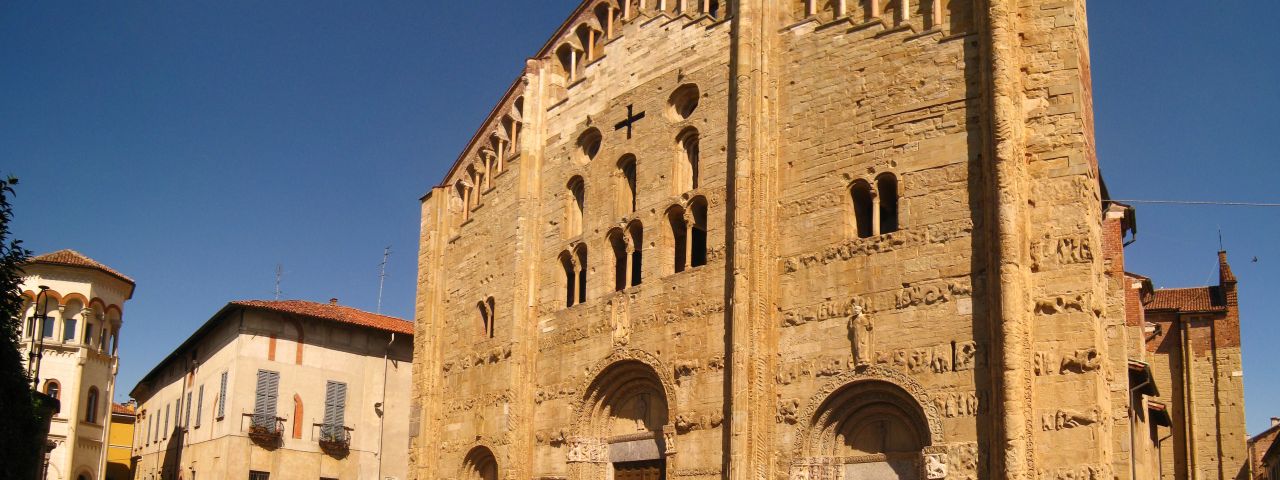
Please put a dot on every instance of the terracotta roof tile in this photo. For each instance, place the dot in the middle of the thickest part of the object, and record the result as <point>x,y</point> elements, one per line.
<point>1198,299</point>
<point>73,258</point>
<point>119,409</point>
<point>337,313</point>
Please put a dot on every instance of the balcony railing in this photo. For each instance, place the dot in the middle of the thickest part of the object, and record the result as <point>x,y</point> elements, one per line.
<point>266,430</point>
<point>335,440</point>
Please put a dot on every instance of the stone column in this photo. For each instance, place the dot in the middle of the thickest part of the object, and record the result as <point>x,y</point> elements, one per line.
<point>875,213</point>
<point>751,240</point>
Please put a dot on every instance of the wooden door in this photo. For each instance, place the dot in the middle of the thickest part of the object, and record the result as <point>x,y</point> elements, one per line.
<point>649,470</point>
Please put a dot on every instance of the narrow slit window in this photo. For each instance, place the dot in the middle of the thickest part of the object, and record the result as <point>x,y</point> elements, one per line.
<point>698,234</point>
<point>887,188</point>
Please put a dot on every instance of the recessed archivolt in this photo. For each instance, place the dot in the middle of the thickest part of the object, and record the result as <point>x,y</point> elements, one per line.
<point>622,374</point>
<point>874,390</point>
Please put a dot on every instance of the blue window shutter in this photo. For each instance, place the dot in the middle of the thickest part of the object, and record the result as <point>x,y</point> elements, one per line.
<point>335,406</point>
<point>264,404</point>
<point>200,406</point>
<point>222,397</point>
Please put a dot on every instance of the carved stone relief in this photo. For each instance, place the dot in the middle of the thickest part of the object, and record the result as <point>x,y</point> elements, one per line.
<point>960,404</point>
<point>1065,418</point>
<point>923,294</point>
<point>1078,361</point>
<point>847,250</point>
<point>935,466</point>
<point>817,469</point>
<point>588,450</point>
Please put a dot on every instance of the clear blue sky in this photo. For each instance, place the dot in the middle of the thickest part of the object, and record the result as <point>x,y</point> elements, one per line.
<point>195,145</point>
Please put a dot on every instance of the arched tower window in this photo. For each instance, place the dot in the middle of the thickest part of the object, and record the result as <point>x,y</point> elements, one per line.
<point>493,315</point>
<point>627,185</point>
<point>464,195</point>
<point>635,231</point>
<point>576,206</point>
<point>570,279</point>
<point>698,232</point>
<point>580,257</point>
<point>567,58</point>
<point>53,389</point>
<point>91,406</point>
<point>863,208</point>
<point>679,238</point>
<point>686,174</point>
<point>887,189</point>
<point>618,242</point>
<point>486,318</point>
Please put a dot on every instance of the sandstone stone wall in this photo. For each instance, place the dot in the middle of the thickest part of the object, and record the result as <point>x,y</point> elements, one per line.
<point>986,324</point>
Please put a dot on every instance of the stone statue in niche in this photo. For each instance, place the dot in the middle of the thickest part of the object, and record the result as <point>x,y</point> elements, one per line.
<point>860,335</point>
<point>621,327</point>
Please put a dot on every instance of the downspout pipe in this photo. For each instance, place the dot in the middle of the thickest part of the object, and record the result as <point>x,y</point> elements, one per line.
<point>382,403</point>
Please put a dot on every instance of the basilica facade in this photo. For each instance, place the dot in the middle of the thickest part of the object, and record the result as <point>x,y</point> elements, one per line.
<point>807,239</point>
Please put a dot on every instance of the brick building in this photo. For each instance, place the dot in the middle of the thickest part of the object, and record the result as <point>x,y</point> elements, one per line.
<point>788,239</point>
<point>1259,446</point>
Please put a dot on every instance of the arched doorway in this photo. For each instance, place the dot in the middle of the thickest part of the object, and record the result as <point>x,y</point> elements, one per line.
<point>867,429</point>
<point>623,430</point>
<point>479,464</point>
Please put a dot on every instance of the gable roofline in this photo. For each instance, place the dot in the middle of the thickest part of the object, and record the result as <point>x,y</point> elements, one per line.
<point>242,305</point>
<point>542,52</point>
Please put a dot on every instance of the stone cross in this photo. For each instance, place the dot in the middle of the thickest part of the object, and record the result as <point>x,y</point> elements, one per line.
<point>630,121</point>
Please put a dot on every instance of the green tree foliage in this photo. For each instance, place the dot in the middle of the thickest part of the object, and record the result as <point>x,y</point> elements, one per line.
<point>20,430</point>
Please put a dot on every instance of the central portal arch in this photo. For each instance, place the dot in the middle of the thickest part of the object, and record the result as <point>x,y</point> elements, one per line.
<point>623,428</point>
<point>870,427</point>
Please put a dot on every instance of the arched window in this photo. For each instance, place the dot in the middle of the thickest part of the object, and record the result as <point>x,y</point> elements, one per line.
<point>91,406</point>
<point>53,389</point>
<point>576,206</point>
<point>618,241</point>
<point>589,145</point>
<point>568,58</point>
<point>636,233</point>
<point>580,257</point>
<point>887,190</point>
<point>679,238</point>
<point>592,40</point>
<point>686,174</point>
<point>486,319</point>
<point>863,209</point>
<point>570,279</point>
<point>480,465</point>
<point>627,185</point>
<point>493,316</point>
<point>464,196</point>
<point>698,232</point>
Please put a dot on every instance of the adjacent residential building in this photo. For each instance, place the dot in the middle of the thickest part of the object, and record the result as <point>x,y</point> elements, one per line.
<point>1193,345</point>
<point>120,442</point>
<point>82,303</point>
<point>1259,446</point>
<point>279,390</point>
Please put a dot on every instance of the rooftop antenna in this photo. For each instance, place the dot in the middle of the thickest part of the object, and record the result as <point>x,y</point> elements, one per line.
<point>279,274</point>
<point>382,275</point>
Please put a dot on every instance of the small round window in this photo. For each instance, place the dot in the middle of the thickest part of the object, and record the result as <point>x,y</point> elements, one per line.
<point>683,102</point>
